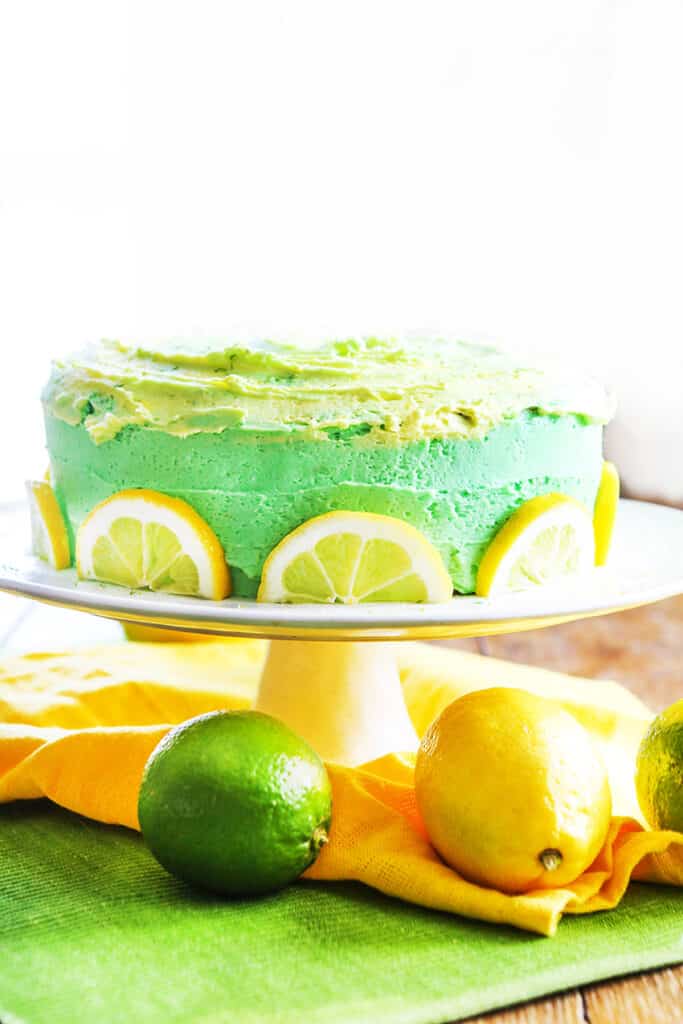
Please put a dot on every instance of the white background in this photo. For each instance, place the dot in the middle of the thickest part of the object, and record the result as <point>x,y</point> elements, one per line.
<point>496,170</point>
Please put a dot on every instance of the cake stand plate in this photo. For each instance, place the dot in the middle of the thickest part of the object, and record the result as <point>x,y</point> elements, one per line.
<point>345,698</point>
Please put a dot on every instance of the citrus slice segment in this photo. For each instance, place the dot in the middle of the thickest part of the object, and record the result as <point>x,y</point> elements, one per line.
<point>546,538</point>
<point>353,558</point>
<point>605,511</point>
<point>144,539</point>
<point>50,539</point>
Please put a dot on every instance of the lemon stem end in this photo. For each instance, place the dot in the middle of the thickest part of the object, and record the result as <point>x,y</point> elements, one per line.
<point>550,859</point>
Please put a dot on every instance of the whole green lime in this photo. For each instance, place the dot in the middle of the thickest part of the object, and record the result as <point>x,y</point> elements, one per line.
<point>234,801</point>
<point>659,770</point>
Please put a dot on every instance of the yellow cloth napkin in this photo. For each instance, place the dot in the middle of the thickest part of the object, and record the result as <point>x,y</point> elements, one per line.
<point>78,727</point>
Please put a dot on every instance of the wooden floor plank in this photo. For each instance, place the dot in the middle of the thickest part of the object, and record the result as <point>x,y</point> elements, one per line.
<point>564,1009</point>
<point>647,999</point>
<point>640,648</point>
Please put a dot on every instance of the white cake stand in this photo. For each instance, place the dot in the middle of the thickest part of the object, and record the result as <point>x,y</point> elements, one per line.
<point>339,692</point>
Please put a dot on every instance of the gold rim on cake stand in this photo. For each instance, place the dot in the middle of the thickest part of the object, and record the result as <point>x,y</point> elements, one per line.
<point>329,672</point>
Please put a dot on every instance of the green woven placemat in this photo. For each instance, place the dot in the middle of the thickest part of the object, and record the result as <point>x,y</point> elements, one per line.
<point>93,931</point>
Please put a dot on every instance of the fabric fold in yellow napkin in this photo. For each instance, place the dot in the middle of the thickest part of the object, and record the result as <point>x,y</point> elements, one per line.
<point>78,728</point>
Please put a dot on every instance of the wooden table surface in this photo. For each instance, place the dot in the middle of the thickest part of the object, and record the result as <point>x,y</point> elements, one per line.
<point>640,648</point>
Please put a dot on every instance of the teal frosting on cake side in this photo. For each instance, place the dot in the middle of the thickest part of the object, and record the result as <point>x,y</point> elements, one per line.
<point>254,487</point>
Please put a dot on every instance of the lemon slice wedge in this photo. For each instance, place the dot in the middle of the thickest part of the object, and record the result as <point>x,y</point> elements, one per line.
<point>352,558</point>
<point>50,540</point>
<point>144,539</point>
<point>605,511</point>
<point>546,538</point>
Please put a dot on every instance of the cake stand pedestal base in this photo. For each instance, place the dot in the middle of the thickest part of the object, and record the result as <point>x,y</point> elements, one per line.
<point>345,698</point>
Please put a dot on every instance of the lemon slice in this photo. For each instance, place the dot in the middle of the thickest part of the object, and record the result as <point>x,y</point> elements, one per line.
<point>143,539</point>
<point>354,557</point>
<point>605,511</point>
<point>546,538</point>
<point>50,540</point>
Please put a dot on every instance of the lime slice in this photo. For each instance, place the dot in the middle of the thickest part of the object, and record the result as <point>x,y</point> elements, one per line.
<point>546,538</point>
<point>50,540</point>
<point>143,539</point>
<point>605,511</point>
<point>352,558</point>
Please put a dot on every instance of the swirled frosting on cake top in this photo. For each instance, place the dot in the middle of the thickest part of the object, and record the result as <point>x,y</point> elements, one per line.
<point>389,389</point>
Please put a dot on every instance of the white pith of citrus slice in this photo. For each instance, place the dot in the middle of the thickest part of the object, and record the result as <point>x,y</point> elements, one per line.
<point>50,540</point>
<point>144,539</point>
<point>605,511</point>
<point>545,539</point>
<point>354,557</point>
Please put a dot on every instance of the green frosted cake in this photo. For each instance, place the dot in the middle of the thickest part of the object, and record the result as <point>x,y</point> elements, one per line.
<point>259,437</point>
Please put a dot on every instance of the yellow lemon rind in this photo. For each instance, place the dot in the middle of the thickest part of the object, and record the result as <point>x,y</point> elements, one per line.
<point>45,507</point>
<point>193,532</point>
<point>605,511</point>
<point>530,519</point>
<point>426,561</point>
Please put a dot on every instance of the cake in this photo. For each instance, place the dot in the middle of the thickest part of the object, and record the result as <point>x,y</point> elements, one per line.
<point>259,437</point>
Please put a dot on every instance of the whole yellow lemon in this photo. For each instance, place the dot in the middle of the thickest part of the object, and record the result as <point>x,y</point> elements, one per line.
<point>512,792</point>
